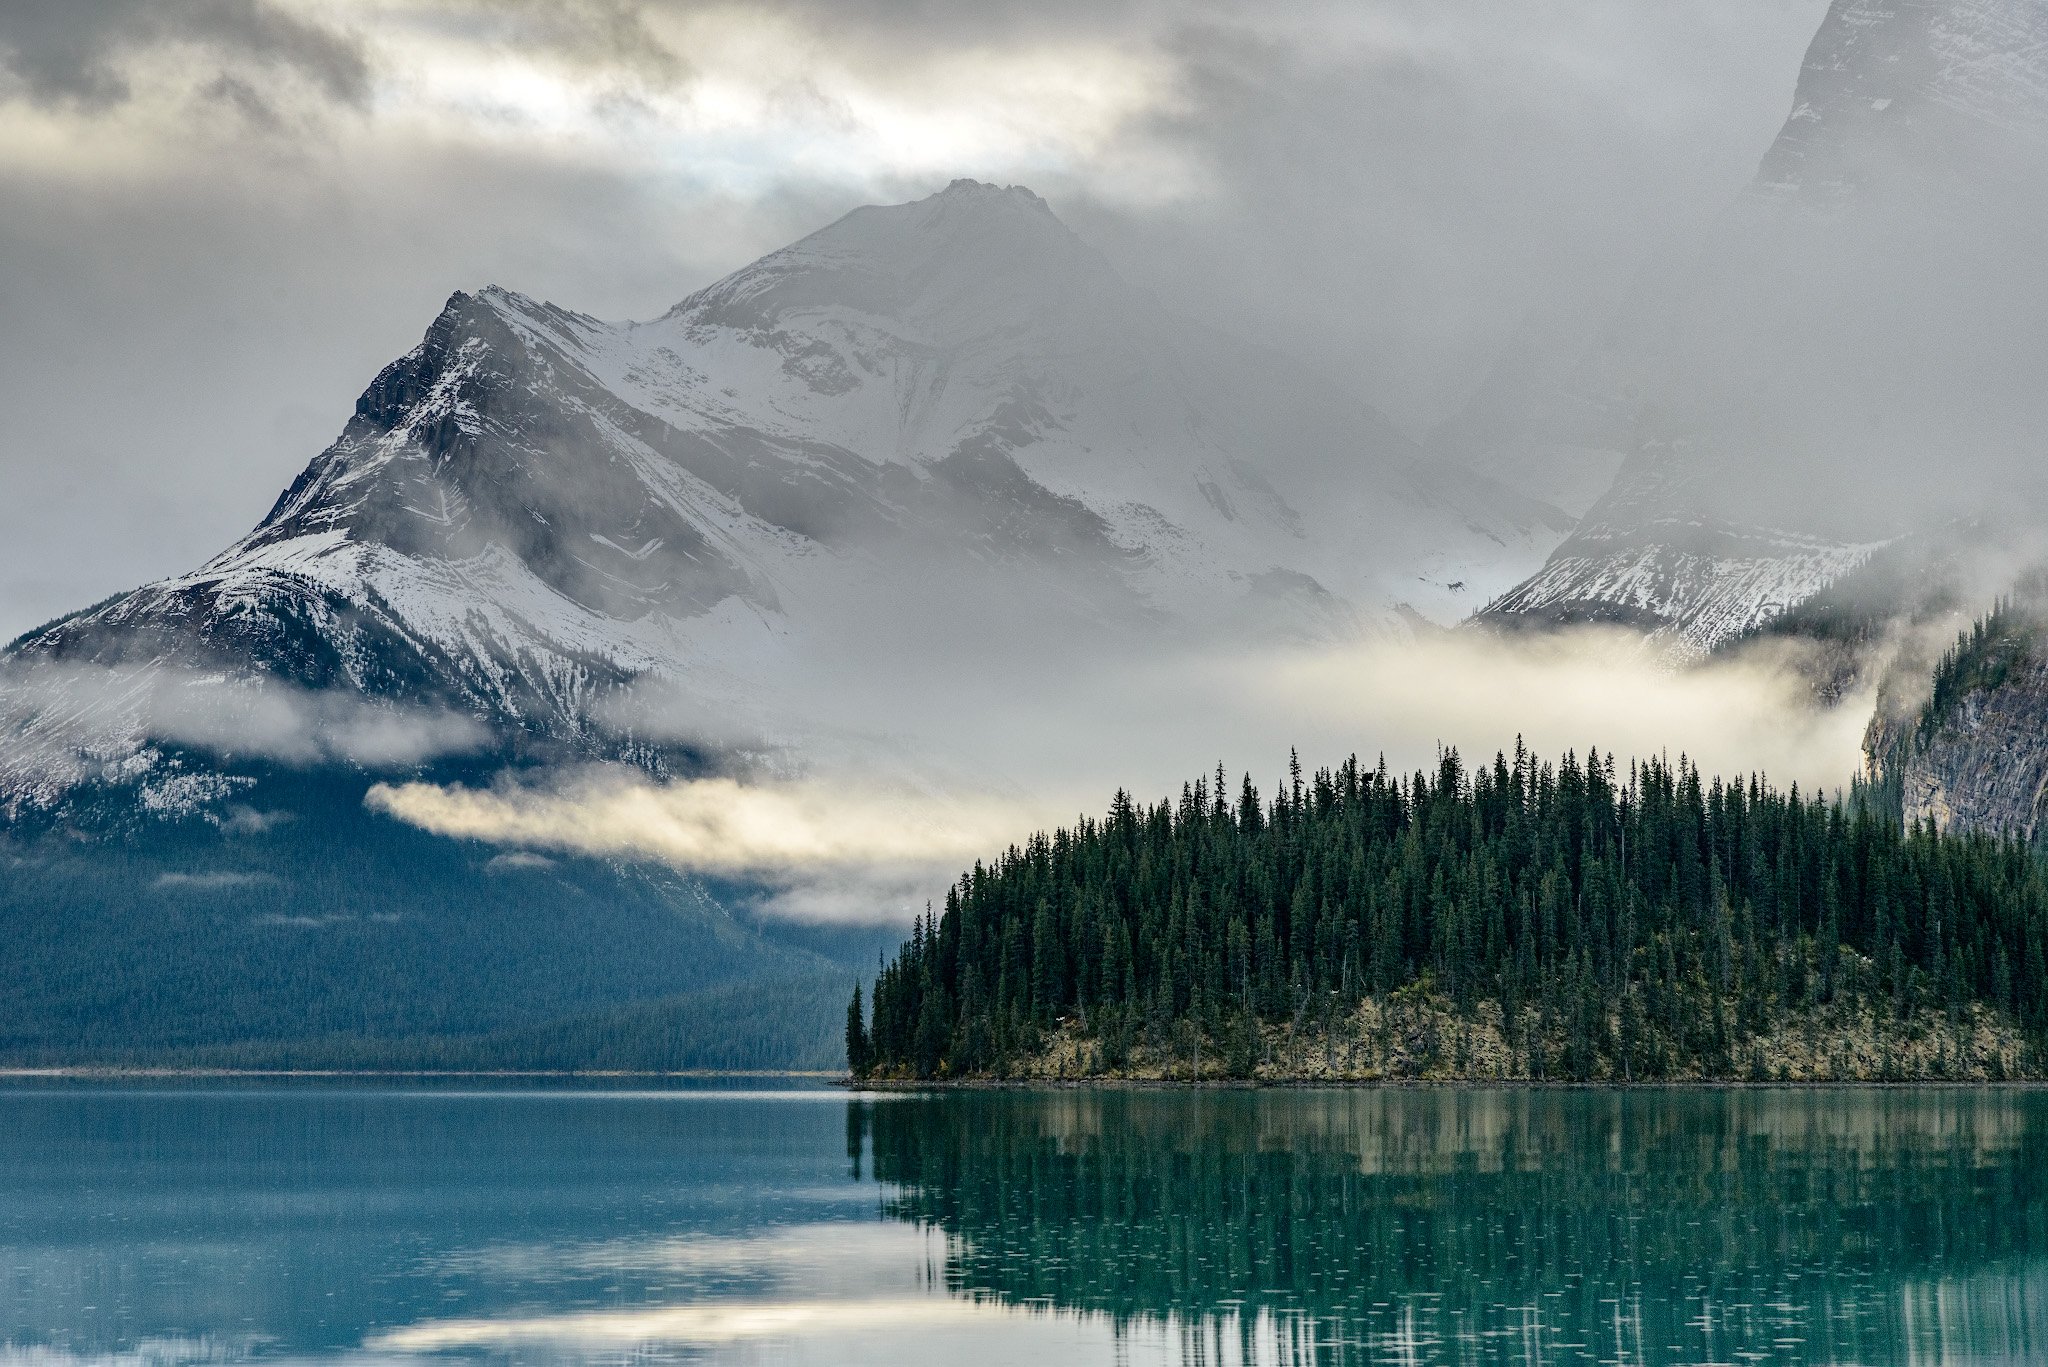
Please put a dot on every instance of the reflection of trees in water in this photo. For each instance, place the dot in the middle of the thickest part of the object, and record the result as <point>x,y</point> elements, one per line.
<point>1475,1225</point>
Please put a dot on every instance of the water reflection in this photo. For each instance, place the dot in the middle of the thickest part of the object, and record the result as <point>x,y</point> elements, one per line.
<point>1492,1226</point>
<point>166,1227</point>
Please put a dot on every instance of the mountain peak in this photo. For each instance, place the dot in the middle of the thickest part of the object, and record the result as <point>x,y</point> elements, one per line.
<point>1890,88</point>
<point>970,257</point>
<point>968,188</point>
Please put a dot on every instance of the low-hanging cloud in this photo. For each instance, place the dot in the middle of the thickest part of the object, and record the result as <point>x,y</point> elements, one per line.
<point>67,719</point>
<point>1755,712</point>
<point>301,726</point>
<point>828,849</point>
<point>886,795</point>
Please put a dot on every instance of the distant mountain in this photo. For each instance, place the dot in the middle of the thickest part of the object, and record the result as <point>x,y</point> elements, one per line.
<point>1688,581</point>
<point>907,433</point>
<point>1842,359</point>
<point>534,509</point>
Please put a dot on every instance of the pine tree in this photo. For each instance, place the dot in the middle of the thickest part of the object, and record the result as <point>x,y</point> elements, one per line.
<point>1627,927</point>
<point>860,1058</point>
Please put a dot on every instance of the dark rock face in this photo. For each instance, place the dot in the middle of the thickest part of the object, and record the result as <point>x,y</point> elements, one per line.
<point>1973,756</point>
<point>1895,85</point>
<point>1985,767</point>
<point>502,431</point>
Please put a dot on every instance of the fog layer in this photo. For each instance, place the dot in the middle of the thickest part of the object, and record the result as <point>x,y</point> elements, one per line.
<point>873,797</point>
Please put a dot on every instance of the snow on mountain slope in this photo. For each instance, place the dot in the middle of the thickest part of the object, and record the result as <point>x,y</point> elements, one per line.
<point>1687,581</point>
<point>1689,589</point>
<point>1845,358</point>
<point>912,424</point>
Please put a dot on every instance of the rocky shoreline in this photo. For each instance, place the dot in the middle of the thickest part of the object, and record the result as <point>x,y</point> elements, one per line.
<point>1409,1040</point>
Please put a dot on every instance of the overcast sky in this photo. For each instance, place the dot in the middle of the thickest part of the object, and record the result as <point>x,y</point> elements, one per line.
<point>219,218</point>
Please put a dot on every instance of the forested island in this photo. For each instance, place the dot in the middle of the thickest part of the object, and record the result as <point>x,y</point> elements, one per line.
<point>1582,920</point>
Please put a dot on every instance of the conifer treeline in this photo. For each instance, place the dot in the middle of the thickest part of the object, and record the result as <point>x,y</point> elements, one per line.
<point>1629,922</point>
<point>1984,655</point>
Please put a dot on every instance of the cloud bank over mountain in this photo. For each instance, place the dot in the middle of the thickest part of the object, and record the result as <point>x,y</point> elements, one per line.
<point>218,219</point>
<point>1381,230</point>
<point>647,591</point>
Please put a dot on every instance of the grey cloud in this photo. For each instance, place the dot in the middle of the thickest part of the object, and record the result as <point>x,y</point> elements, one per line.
<point>243,97</point>
<point>597,35</point>
<point>917,24</point>
<point>65,721</point>
<point>1386,211</point>
<point>64,52</point>
<point>1393,204</point>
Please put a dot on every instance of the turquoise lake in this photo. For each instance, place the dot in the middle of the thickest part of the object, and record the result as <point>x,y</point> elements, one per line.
<point>774,1223</point>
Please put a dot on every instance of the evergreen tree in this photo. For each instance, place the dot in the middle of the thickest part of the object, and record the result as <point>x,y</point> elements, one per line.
<point>1617,923</point>
<point>860,1058</point>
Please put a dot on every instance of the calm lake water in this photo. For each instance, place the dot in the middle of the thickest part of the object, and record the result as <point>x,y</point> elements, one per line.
<point>313,1222</point>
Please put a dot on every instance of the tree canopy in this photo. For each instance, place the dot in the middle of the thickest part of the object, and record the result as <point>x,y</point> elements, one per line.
<point>1628,922</point>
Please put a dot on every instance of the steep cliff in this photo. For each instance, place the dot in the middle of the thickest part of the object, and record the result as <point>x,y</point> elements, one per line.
<point>1974,755</point>
<point>1848,355</point>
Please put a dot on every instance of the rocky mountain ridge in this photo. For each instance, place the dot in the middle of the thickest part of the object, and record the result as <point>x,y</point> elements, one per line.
<point>1690,583</point>
<point>935,433</point>
<point>535,510</point>
<point>1833,365</point>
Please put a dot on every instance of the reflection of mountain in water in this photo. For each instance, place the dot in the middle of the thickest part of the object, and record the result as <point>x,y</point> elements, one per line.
<point>1477,1226</point>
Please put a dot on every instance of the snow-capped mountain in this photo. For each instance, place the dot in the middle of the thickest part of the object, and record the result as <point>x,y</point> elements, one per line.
<point>1842,359</point>
<point>1688,582</point>
<point>919,410</point>
<point>930,432</point>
